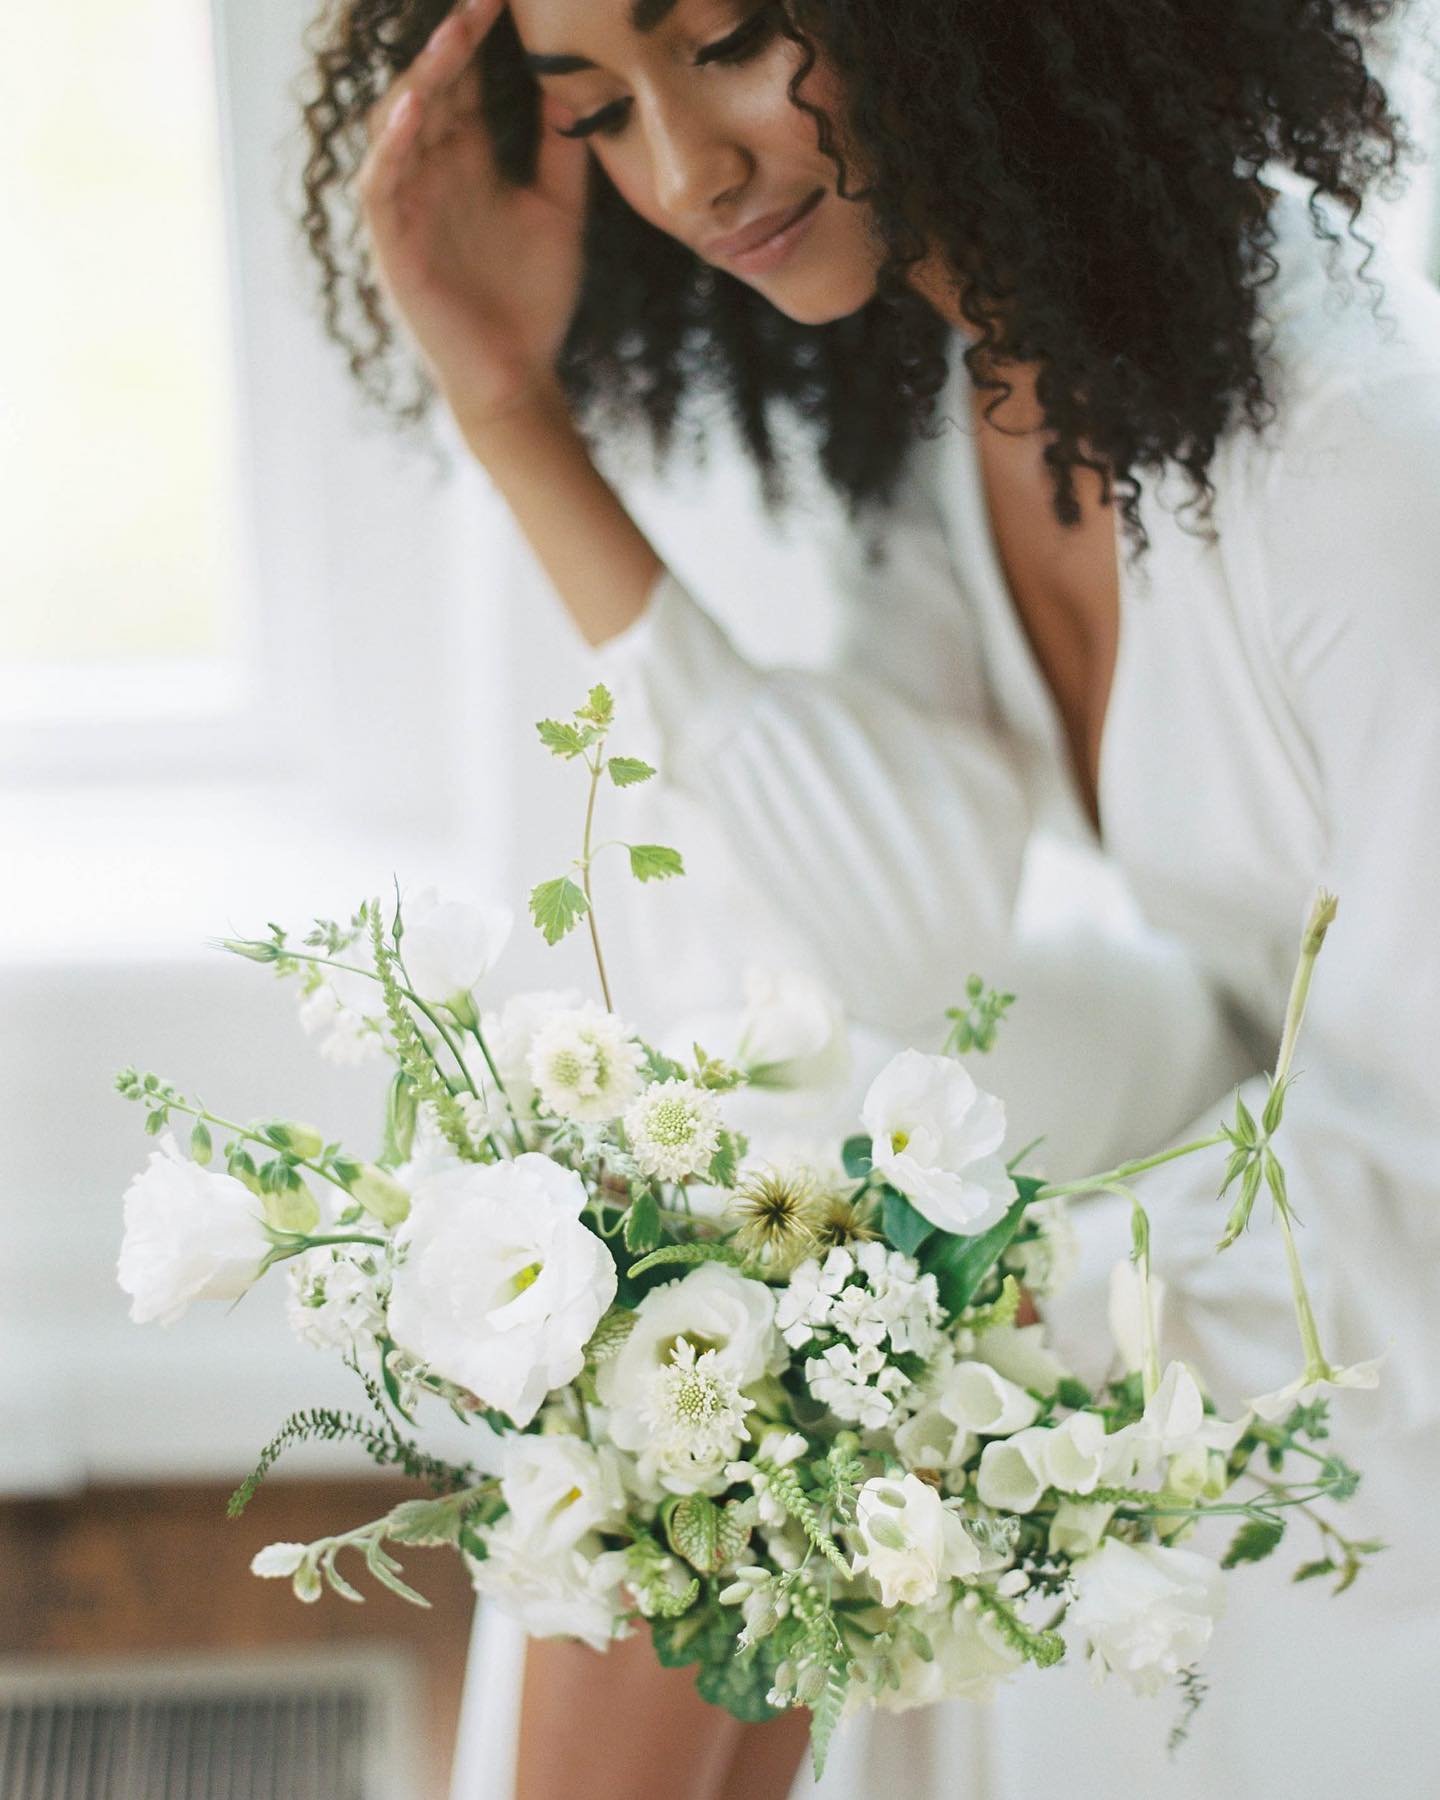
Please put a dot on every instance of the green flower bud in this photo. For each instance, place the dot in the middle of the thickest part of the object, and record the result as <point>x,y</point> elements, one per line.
<point>292,1207</point>
<point>300,1140</point>
<point>381,1195</point>
<point>254,951</point>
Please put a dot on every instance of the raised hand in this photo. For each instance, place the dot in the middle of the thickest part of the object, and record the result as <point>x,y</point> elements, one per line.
<point>483,274</point>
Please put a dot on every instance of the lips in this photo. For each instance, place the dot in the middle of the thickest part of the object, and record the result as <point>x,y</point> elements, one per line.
<point>761,229</point>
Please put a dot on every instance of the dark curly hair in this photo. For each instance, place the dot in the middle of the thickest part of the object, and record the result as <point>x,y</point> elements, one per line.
<point>1089,169</point>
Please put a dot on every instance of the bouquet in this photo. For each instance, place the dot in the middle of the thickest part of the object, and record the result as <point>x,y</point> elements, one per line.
<point>799,1415</point>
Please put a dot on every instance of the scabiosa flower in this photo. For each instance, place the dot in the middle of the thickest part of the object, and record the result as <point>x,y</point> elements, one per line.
<point>696,1412</point>
<point>778,1208</point>
<point>585,1064</point>
<point>674,1130</point>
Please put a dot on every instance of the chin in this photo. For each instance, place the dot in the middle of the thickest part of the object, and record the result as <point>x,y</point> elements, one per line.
<point>820,300</point>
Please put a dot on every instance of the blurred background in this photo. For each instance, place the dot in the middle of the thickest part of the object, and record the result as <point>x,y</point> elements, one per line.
<point>259,656</point>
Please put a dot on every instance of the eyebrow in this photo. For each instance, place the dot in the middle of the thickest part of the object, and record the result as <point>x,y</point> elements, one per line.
<point>645,16</point>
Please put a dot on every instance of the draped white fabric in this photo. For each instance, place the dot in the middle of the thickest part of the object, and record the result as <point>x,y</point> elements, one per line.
<point>1274,725</point>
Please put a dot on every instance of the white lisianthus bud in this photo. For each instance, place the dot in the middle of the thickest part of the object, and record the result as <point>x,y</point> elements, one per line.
<point>1127,1312</point>
<point>792,1032</point>
<point>189,1235</point>
<point>449,947</point>
<point>1146,1611</point>
<point>910,1540</point>
<point>382,1196</point>
<point>935,1137</point>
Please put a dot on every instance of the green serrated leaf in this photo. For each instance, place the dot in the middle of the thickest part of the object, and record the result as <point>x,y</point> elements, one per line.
<point>559,738</point>
<point>692,1526</point>
<point>599,708</point>
<point>654,862</point>
<point>628,771</point>
<point>686,1254</point>
<point>642,1223</point>
<point>825,1715</point>
<point>725,1163</point>
<point>732,1531</point>
<point>1253,1542</point>
<point>557,906</point>
<point>906,1228</point>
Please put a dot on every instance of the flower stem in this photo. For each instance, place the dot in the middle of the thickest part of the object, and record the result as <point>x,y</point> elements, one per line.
<point>255,1137</point>
<point>1126,1171</point>
<point>586,854</point>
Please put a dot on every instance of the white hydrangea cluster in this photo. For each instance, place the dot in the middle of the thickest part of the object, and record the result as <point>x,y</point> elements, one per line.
<point>674,1130</point>
<point>337,1298</point>
<point>585,1064</point>
<point>860,1309</point>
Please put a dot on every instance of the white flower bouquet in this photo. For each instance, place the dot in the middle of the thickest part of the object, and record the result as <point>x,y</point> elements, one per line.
<point>800,1416</point>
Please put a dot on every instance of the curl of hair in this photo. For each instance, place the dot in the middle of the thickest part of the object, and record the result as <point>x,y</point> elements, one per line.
<point>1089,172</point>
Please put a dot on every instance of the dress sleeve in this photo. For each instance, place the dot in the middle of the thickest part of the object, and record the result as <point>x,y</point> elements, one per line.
<point>873,799</point>
<point>1347,565</point>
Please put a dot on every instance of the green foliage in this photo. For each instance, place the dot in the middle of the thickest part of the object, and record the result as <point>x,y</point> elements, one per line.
<point>557,907</point>
<point>1043,1648</point>
<point>692,1525</point>
<point>825,1714</point>
<point>654,862</point>
<point>413,1052</point>
<point>709,1637</point>
<point>686,1255</point>
<point>642,1222</point>
<point>1253,1542</point>
<point>784,1487</point>
<point>906,1228</point>
<point>1193,1690</point>
<point>974,1025</point>
<point>627,771</point>
<point>650,1568</point>
<point>599,708</point>
<point>960,1264</point>
<point>565,741</point>
<point>378,1439</point>
<point>725,1163</point>
<point>856,1157</point>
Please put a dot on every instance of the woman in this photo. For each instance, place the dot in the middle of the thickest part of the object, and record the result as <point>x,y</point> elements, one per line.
<point>1170,583</point>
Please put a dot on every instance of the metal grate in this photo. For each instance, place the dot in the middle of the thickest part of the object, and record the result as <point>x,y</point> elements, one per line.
<point>325,1728</point>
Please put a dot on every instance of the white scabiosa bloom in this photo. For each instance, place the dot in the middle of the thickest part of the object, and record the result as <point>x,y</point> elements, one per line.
<point>500,1284</point>
<point>509,1035</point>
<point>585,1065</point>
<point>696,1413</point>
<point>1146,1611</point>
<point>189,1235</point>
<point>935,1137</point>
<point>449,947</point>
<point>910,1541</point>
<point>673,1130</point>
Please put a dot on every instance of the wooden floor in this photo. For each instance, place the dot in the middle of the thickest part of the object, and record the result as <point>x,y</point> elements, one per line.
<point>126,1571</point>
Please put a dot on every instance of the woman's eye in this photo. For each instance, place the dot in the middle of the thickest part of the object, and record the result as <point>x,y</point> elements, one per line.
<point>606,122</point>
<point>741,45</point>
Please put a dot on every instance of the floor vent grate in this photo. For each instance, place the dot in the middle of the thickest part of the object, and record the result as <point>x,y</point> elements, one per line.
<point>322,1728</point>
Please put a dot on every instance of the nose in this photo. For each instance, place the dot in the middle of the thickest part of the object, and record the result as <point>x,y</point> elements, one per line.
<point>695,165</point>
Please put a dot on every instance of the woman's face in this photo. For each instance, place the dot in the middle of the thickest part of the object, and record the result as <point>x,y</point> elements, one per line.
<point>685,104</point>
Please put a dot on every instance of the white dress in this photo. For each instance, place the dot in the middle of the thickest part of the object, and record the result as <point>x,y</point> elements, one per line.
<point>1274,725</point>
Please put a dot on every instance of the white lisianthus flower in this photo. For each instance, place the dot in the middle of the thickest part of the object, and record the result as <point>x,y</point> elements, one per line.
<point>501,1284</point>
<point>565,1594</point>
<point>910,1541</point>
<point>189,1235</point>
<point>336,1298</point>
<point>674,1129</point>
<point>792,1031</point>
<point>1307,1387</point>
<point>696,1414</point>
<point>715,1309</point>
<point>585,1064</point>
<point>449,947</point>
<point>934,1137</point>
<point>559,1489</point>
<point>1146,1610</point>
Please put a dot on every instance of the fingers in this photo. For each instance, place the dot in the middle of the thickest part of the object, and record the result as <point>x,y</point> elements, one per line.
<point>380,173</point>
<point>447,55</point>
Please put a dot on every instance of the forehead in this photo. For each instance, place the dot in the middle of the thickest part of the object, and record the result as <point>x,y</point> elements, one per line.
<point>543,24</point>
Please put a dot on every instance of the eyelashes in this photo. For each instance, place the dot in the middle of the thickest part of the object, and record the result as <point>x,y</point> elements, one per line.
<point>741,46</point>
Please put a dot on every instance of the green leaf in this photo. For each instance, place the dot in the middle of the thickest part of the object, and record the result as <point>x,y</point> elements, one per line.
<point>201,1146</point>
<point>686,1254</point>
<point>599,709</point>
<point>1308,1571</point>
<point>825,1716</point>
<point>856,1157</point>
<point>557,906</point>
<point>726,1161</point>
<point>739,1685</point>
<point>628,771</point>
<point>906,1229</point>
<point>653,862</point>
<point>642,1222</point>
<point>960,1264</point>
<point>560,739</point>
<point>732,1533</point>
<point>692,1526</point>
<point>1253,1542</point>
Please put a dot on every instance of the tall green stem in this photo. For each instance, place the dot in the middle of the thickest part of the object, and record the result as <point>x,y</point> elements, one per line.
<point>1126,1171</point>
<point>585,854</point>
